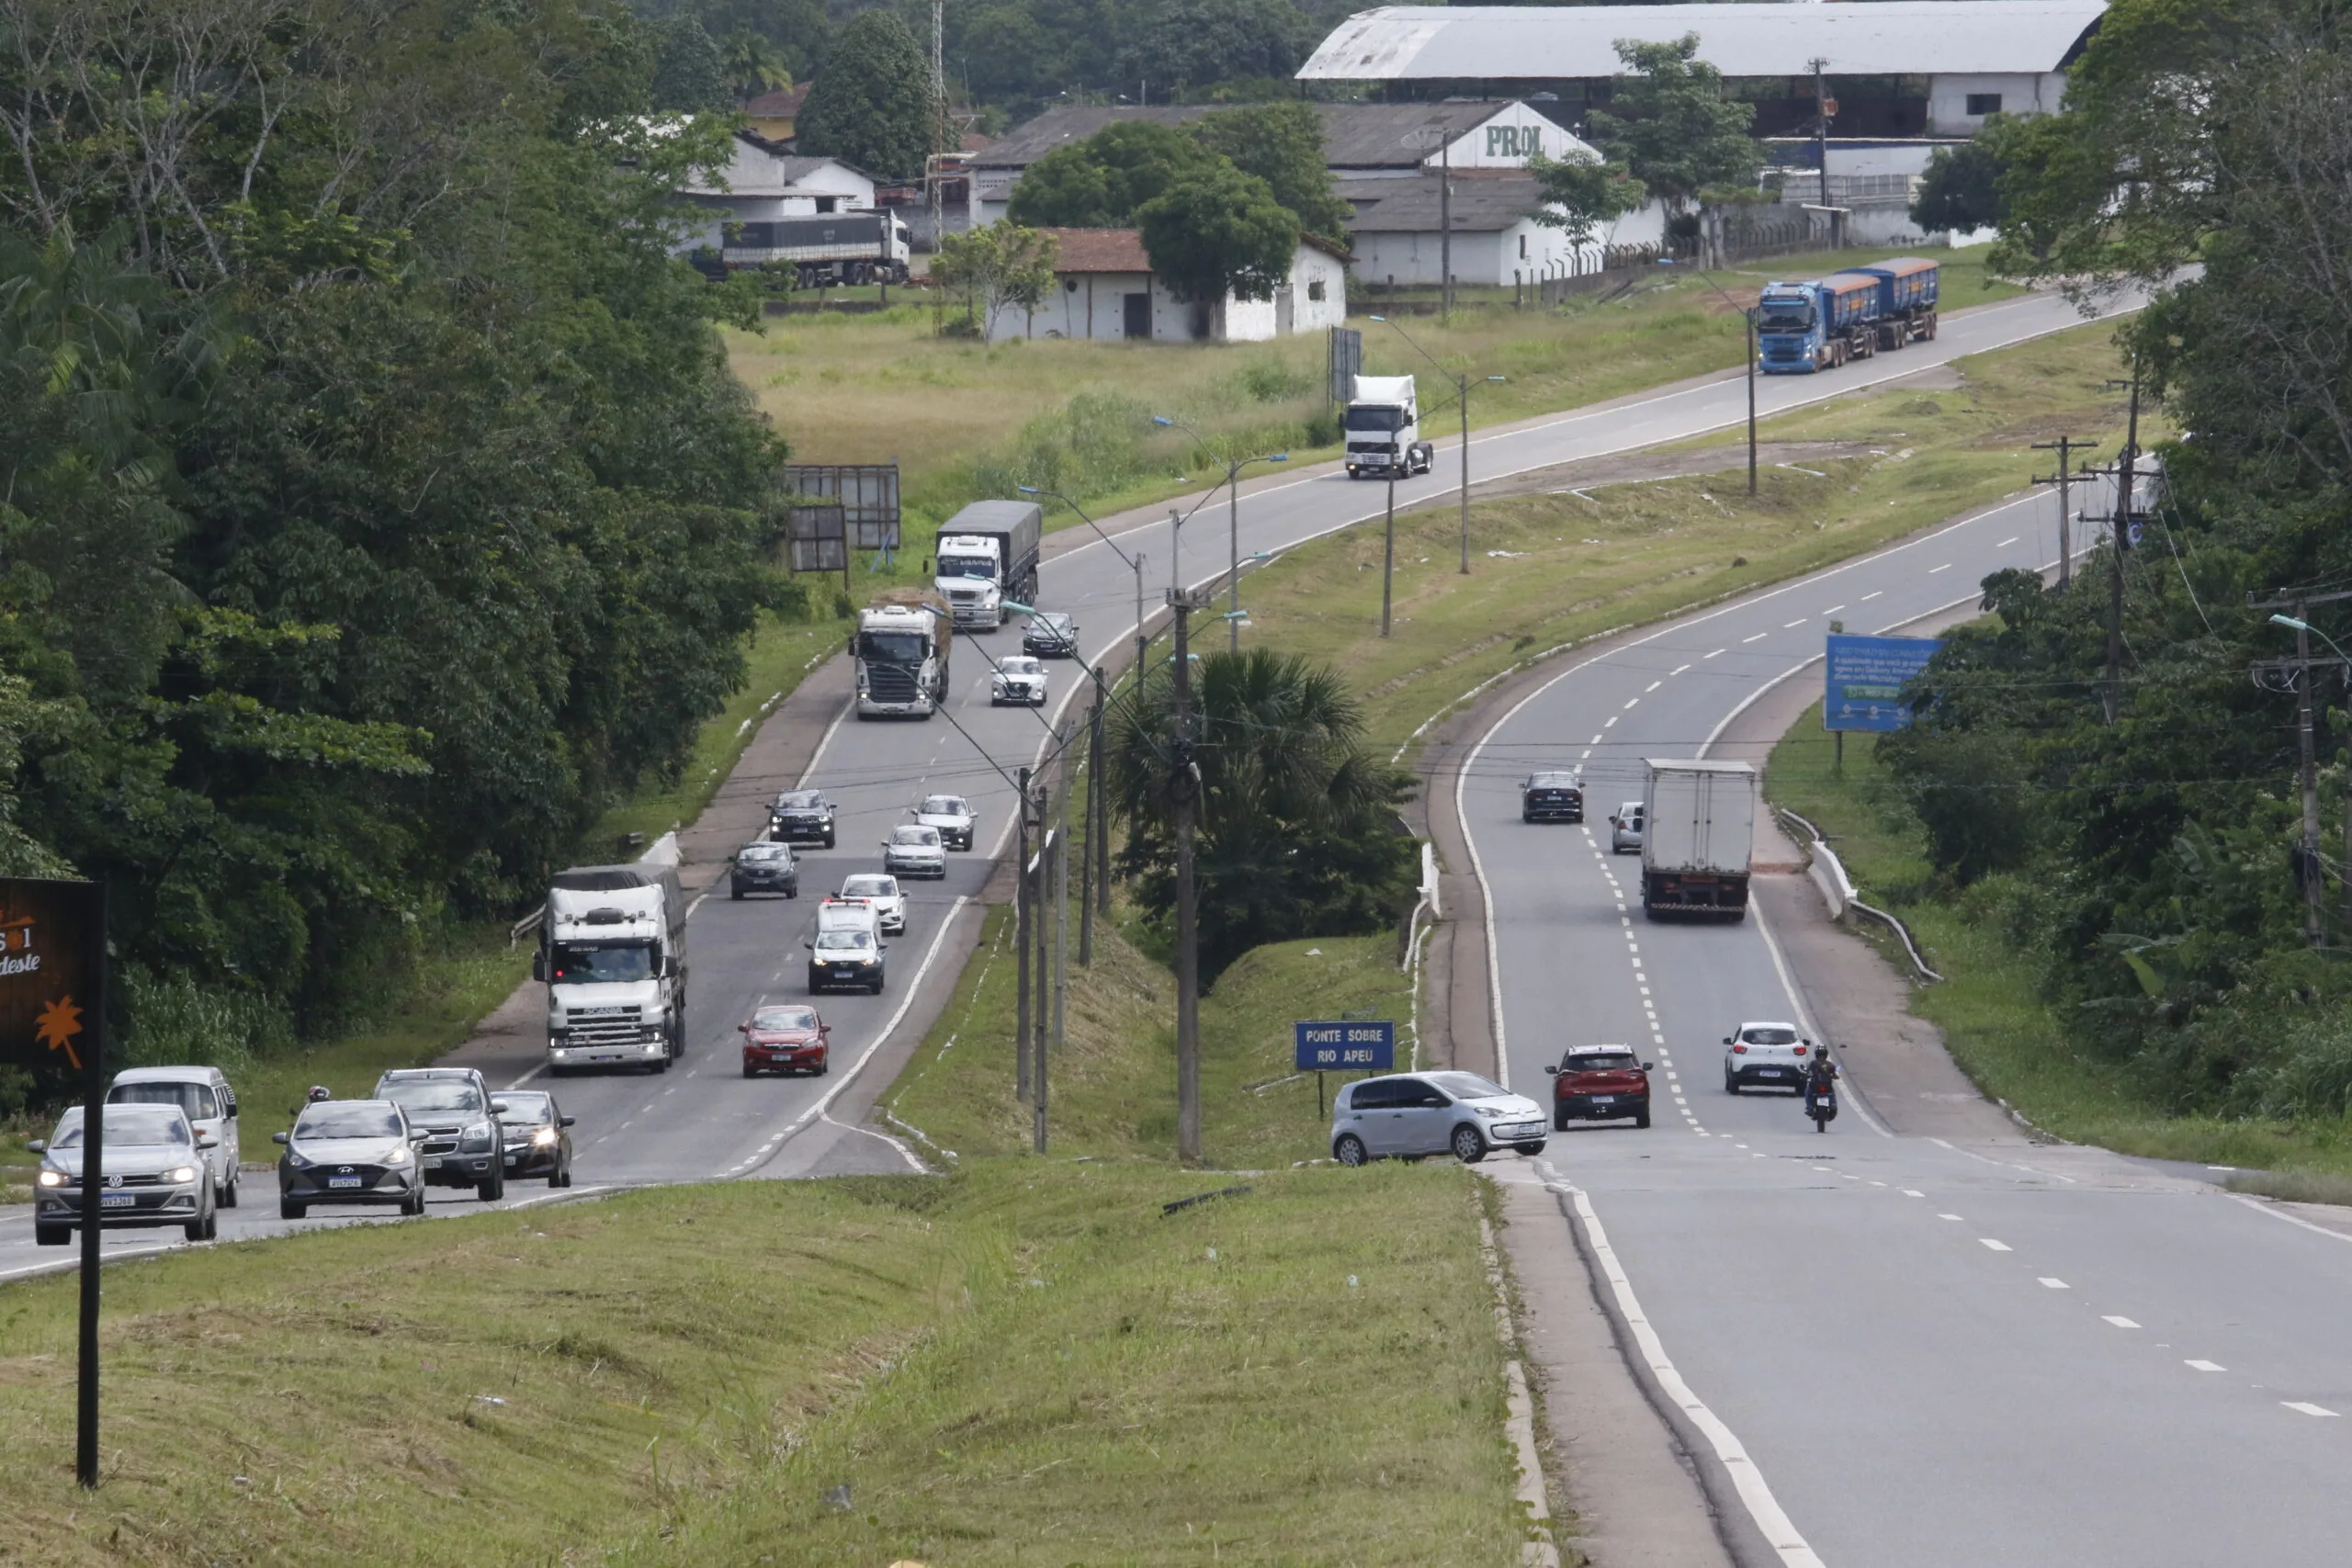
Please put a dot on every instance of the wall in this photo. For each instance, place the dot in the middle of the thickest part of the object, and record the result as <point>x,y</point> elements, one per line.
<point>1514,135</point>
<point>1532,250</point>
<point>1309,314</point>
<point>1092,305</point>
<point>2020,94</point>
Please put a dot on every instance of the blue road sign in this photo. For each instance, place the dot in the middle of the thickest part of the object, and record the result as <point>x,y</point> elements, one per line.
<point>1866,677</point>
<point>1345,1047</point>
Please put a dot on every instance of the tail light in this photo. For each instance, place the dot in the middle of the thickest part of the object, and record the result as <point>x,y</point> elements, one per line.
<point>1739,1050</point>
<point>1800,1050</point>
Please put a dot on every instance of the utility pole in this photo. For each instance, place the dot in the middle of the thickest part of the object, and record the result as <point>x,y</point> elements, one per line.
<point>1388,557</point>
<point>1097,814</point>
<point>1049,845</point>
<point>1100,843</point>
<point>1022,915</point>
<point>1445,229</point>
<point>2302,672</point>
<point>939,91</point>
<point>1061,901</point>
<point>1233,538</point>
<point>2127,495</point>
<point>1182,786</point>
<point>2065,446</point>
<point>1749,314</point>
<point>1820,140</point>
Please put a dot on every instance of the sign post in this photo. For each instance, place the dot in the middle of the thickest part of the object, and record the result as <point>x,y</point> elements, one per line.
<point>52,1022</point>
<point>1344,1045</point>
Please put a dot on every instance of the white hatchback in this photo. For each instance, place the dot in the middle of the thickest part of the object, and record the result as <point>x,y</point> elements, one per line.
<point>1765,1052</point>
<point>880,894</point>
<point>1408,1115</point>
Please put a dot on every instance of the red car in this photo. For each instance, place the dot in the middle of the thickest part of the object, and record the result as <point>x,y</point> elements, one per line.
<point>785,1038</point>
<point>1599,1083</point>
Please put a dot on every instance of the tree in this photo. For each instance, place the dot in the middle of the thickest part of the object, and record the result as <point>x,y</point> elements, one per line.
<point>689,73</point>
<point>873,105</point>
<point>1282,143</point>
<point>1195,44</point>
<point>1297,817</point>
<point>1670,125</point>
<point>753,64</point>
<point>1961,188</point>
<point>997,268</point>
<point>1103,181</point>
<point>1580,194</point>
<point>1219,232</point>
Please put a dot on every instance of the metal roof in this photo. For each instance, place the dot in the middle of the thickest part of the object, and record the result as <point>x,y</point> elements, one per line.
<point>1483,203</point>
<point>1891,38</point>
<point>1355,136</point>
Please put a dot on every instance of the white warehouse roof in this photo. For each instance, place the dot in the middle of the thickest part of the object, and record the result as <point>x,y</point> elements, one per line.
<point>1891,38</point>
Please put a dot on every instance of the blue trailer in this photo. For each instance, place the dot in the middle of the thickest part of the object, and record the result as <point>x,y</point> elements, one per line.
<point>1819,325</point>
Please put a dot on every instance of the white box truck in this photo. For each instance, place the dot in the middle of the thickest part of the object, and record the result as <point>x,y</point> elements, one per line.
<point>1384,428</point>
<point>613,954</point>
<point>1699,828</point>
<point>988,554</point>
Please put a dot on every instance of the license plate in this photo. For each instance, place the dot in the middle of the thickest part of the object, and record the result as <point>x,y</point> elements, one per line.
<point>118,1200</point>
<point>343,1181</point>
<point>1604,1100</point>
<point>1775,1073</point>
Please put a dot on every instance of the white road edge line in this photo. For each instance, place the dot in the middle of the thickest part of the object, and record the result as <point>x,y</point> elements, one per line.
<point>2280,1214</point>
<point>1780,1532</point>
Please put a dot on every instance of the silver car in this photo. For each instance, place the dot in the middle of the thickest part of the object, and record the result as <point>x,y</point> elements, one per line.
<point>1625,830</point>
<point>152,1173</point>
<point>349,1151</point>
<point>912,850</point>
<point>1408,1115</point>
<point>952,815</point>
<point>1019,682</point>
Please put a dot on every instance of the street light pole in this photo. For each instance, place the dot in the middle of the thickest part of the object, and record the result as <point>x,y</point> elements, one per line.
<point>1134,561</point>
<point>1388,553</point>
<point>1462,389</point>
<point>1188,937</point>
<point>1233,467</point>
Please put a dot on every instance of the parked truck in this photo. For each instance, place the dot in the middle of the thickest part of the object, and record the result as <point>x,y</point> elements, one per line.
<point>901,653</point>
<point>1697,827</point>
<point>613,953</point>
<point>1819,325</point>
<point>1384,428</point>
<point>987,555</point>
<point>829,250</point>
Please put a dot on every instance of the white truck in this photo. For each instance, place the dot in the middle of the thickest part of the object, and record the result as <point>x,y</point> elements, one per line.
<point>987,555</point>
<point>613,955</point>
<point>1383,424</point>
<point>1698,827</point>
<point>900,651</point>
<point>829,250</point>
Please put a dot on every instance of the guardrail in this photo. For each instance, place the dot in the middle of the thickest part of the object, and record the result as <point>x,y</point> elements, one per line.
<point>1828,874</point>
<point>525,926</point>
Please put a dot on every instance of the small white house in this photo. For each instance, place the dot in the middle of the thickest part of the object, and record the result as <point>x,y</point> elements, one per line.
<point>761,184</point>
<point>1104,289</point>
<point>1399,236</point>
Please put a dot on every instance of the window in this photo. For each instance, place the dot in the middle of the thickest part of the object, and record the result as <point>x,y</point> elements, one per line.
<point>1382,1094</point>
<point>1314,288</point>
<point>195,1098</point>
<point>829,203</point>
<point>1983,103</point>
<point>348,1122</point>
<point>597,964</point>
<point>1522,247</point>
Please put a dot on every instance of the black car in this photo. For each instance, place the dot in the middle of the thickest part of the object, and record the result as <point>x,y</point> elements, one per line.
<point>1050,634</point>
<point>763,867</point>
<point>1551,797</point>
<point>537,1142</point>
<point>802,816</point>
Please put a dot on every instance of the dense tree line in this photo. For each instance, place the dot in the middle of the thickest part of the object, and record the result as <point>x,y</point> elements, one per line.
<point>375,502</point>
<point>2144,839</point>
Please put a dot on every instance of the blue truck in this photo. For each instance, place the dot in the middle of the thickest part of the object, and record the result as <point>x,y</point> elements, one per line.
<point>1819,325</point>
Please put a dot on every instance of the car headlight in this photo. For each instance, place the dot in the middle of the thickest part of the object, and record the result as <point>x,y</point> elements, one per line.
<point>477,1138</point>
<point>399,1156</point>
<point>544,1138</point>
<point>51,1178</point>
<point>180,1174</point>
<point>295,1159</point>
<point>1493,1110</point>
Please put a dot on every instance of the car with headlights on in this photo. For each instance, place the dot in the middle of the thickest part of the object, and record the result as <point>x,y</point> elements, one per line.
<point>538,1135</point>
<point>785,1038</point>
<point>1019,682</point>
<point>913,850</point>
<point>802,817</point>
<point>1625,830</point>
<point>844,959</point>
<point>1050,634</point>
<point>761,866</point>
<point>879,893</point>
<point>152,1172</point>
<point>952,815</point>
<point>349,1152</point>
<point>452,1125</point>
<point>1599,1083</point>
<point>1411,1115</point>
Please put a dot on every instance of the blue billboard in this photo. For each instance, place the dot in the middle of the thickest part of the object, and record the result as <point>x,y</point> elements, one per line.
<point>1866,676</point>
<point>1345,1046</point>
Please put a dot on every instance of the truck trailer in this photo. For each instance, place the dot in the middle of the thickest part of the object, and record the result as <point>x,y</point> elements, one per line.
<point>1698,829</point>
<point>829,250</point>
<point>987,555</point>
<point>613,955</point>
<point>901,653</point>
<point>1803,327</point>
<point>1384,428</point>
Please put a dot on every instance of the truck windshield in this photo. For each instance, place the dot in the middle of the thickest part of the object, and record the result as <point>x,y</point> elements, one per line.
<point>892,648</point>
<point>980,567</point>
<point>1385,421</point>
<point>601,964</point>
<point>1784,316</point>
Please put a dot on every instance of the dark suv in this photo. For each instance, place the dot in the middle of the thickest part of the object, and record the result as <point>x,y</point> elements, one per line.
<point>1551,797</point>
<point>763,867</point>
<point>454,1121</point>
<point>802,816</point>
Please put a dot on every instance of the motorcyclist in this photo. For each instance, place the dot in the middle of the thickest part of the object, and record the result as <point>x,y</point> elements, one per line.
<point>320,1091</point>
<point>1820,1076</point>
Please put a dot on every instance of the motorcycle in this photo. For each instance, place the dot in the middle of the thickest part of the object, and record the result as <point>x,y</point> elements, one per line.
<point>1821,1104</point>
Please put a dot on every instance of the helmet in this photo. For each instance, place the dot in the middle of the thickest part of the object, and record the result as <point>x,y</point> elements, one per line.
<point>320,1091</point>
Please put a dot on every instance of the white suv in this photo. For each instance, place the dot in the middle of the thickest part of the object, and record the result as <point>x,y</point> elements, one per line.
<point>1765,1052</point>
<point>880,894</point>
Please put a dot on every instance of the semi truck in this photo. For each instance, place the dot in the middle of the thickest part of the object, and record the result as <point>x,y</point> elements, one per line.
<point>829,250</point>
<point>901,653</point>
<point>1697,829</point>
<point>1384,428</point>
<point>987,555</point>
<point>613,955</point>
<point>1819,325</point>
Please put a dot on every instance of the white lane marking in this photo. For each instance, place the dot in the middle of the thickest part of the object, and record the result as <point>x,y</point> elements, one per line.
<point>1671,674</point>
<point>1755,1493</point>
<point>1789,989</point>
<point>2282,1215</point>
<point>1933,570</point>
<point>1612,721</point>
<point>1635,703</point>
<point>1868,597</point>
<point>823,741</point>
<point>1719,652</point>
<point>1832,609</point>
<point>1798,622</point>
<point>2055,1284</point>
<point>2306,1409</point>
<point>1760,637</point>
<point>1654,685</point>
<point>2004,1165</point>
<point>1595,741</point>
<point>535,1071</point>
<point>1990,1245</point>
<point>2119,1322</point>
<point>2206,1366</point>
<point>1947,1216</point>
<point>1913,1192</point>
<point>2005,544</point>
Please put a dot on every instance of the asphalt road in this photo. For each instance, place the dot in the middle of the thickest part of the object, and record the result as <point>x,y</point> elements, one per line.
<point>1933,1354</point>
<point>701,1120</point>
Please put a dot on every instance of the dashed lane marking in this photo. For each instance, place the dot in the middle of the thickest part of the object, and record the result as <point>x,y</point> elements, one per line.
<point>2118,1322</point>
<point>1992,1246</point>
<point>2055,1284</point>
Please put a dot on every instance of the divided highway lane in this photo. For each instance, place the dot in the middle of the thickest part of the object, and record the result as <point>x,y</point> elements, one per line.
<point>1934,1355</point>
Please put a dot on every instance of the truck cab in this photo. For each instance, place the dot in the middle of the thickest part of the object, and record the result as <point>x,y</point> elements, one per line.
<point>970,574</point>
<point>900,651</point>
<point>613,959</point>
<point>1383,429</point>
<point>1804,327</point>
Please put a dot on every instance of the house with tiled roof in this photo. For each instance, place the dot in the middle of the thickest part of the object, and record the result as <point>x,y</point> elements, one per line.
<point>1104,289</point>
